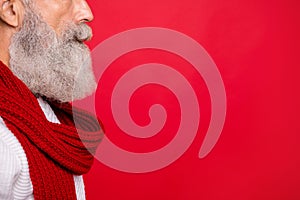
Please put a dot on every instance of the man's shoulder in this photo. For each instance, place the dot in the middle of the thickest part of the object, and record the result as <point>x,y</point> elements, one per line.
<point>14,170</point>
<point>10,162</point>
<point>10,149</point>
<point>8,158</point>
<point>10,165</point>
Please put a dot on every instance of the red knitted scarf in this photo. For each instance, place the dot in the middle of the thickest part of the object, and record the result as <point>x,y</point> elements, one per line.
<point>54,151</point>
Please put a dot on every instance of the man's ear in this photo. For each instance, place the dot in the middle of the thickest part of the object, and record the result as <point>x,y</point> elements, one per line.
<point>11,11</point>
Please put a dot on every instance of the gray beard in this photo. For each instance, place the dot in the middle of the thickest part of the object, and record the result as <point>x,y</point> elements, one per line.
<point>56,67</point>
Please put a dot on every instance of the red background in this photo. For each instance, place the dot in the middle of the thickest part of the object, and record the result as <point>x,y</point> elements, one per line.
<point>255,46</point>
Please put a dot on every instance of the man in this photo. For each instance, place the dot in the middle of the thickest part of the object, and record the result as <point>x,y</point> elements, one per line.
<point>43,65</point>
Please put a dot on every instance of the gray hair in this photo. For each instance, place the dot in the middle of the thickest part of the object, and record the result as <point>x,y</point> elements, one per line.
<point>56,67</point>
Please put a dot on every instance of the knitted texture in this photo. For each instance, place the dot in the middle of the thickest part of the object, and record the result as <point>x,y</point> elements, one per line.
<point>54,151</point>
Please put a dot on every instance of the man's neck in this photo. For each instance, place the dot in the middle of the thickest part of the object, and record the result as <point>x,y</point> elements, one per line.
<point>4,59</point>
<point>6,35</point>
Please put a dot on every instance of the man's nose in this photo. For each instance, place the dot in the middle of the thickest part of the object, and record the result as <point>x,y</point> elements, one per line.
<point>83,12</point>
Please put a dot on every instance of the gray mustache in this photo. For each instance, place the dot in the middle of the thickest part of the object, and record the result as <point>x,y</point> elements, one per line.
<point>81,32</point>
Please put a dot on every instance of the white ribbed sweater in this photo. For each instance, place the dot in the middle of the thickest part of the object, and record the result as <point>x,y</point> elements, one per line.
<point>15,183</point>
